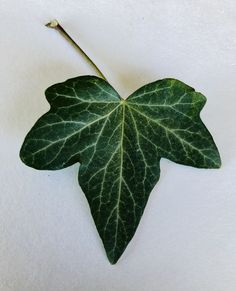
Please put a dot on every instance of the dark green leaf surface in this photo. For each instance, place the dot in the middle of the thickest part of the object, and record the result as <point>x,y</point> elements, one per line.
<point>119,144</point>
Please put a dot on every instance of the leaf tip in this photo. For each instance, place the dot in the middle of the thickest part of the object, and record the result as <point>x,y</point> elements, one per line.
<point>21,154</point>
<point>114,255</point>
<point>218,163</point>
<point>113,259</point>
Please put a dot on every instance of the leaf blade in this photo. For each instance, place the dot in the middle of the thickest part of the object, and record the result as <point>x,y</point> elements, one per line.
<point>119,144</point>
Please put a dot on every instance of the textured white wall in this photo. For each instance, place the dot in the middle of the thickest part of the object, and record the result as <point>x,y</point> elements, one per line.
<point>186,240</point>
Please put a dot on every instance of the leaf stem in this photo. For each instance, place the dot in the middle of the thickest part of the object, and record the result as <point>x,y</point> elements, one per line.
<point>55,24</point>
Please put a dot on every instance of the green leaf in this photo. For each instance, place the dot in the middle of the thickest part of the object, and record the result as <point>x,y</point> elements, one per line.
<point>119,144</point>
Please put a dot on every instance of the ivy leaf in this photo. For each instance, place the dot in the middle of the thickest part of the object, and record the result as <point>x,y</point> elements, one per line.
<point>119,144</point>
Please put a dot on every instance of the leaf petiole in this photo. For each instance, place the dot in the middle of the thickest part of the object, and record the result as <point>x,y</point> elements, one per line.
<point>55,24</point>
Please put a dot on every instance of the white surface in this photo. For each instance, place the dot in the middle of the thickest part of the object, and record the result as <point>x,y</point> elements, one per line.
<point>186,240</point>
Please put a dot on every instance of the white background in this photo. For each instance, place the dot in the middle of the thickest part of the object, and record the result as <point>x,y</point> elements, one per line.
<point>186,240</point>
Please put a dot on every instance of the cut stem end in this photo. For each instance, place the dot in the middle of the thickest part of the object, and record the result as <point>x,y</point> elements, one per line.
<point>52,24</point>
